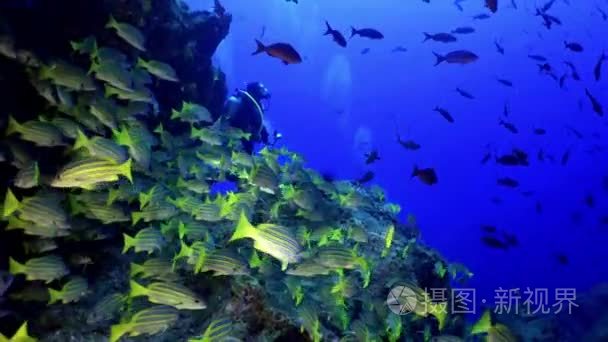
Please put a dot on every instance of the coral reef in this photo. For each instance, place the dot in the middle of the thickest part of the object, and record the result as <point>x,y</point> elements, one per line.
<point>112,224</point>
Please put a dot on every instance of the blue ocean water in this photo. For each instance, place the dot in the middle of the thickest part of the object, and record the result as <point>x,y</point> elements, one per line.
<point>339,103</point>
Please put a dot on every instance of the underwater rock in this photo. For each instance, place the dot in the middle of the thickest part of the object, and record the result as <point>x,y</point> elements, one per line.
<point>153,192</point>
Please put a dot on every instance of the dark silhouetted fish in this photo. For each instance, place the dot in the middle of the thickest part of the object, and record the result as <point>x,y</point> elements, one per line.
<point>505,82</point>
<point>285,52</point>
<point>510,239</point>
<point>399,49</point>
<point>494,242</point>
<point>336,35</point>
<point>573,46</point>
<point>509,126</point>
<point>458,5</point>
<point>465,94</point>
<point>597,107</point>
<point>590,201</point>
<point>499,48</point>
<point>547,6</point>
<point>573,71</point>
<point>538,58</point>
<point>540,156</point>
<point>602,13</point>
<point>539,131</point>
<point>508,160</point>
<point>562,80</point>
<point>456,57</point>
<point>545,67</point>
<point>439,37</point>
<point>507,182</point>
<point>528,193</point>
<point>372,157</point>
<point>366,178</point>
<point>365,51</point>
<point>463,30</point>
<point>562,259</point>
<point>488,228</point>
<point>426,176</point>
<point>486,158</point>
<point>538,207</point>
<point>492,5</point>
<point>597,71</point>
<point>481,16</point>
<point>409,145</point>
<point>446,115</point>
<point>565,157</point>
<point>574,131</point>
<point>366,33</point>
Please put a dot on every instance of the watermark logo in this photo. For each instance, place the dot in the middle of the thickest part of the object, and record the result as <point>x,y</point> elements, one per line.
<point>402,300</point>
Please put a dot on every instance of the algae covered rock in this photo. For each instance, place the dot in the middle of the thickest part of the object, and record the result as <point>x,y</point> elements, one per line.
<point>123,198</point>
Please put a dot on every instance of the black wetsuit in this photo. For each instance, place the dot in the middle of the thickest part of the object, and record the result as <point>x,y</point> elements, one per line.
<point>244,112</point>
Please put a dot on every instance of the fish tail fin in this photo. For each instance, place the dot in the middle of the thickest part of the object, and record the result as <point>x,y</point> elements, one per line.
<point>175,114</point>
<point>54,296</point>
<point>20,335</point>
<point>14,267</point>
<point>329,29</point>
<point>111,22</point>
<point>353,32</point>
<point>259,49</point>
<point>195,132</point>
<point>136,216</point>
<point>13,126</point>
<point>144,199</point>
<point>184,251</point>
<point>125,169</point>
<point>427,37</point>
<point>137,290</point>
<point>483,325</point>
<point>439,57</point>
<point>81,140</point>
<point>122,137</point>
<point>135,269</point>
<point>129,242</point>
<point>181,230</point>
<point>243,228</point>
<point>109,91</point>
<point>75,207</point>
<point>95,53</point>
<point>11,203</point>
<point>415,171</point>
<point>141,63</point>
<point>36,173</point>
<point>440,315</point>
<point>75,45</point>
<point>117,330</point>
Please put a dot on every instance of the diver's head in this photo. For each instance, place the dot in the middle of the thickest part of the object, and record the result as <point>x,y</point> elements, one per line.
<point>258,91</point>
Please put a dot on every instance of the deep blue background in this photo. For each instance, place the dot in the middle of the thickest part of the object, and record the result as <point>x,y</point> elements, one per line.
<point>338,98</point>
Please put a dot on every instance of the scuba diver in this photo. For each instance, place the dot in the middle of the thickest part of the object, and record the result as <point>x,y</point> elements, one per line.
<point>245,110</point>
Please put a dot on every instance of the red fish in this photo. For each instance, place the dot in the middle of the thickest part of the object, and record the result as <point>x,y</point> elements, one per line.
<point>492,5</point>
<point>283,51</point>
<point>426,176</point>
